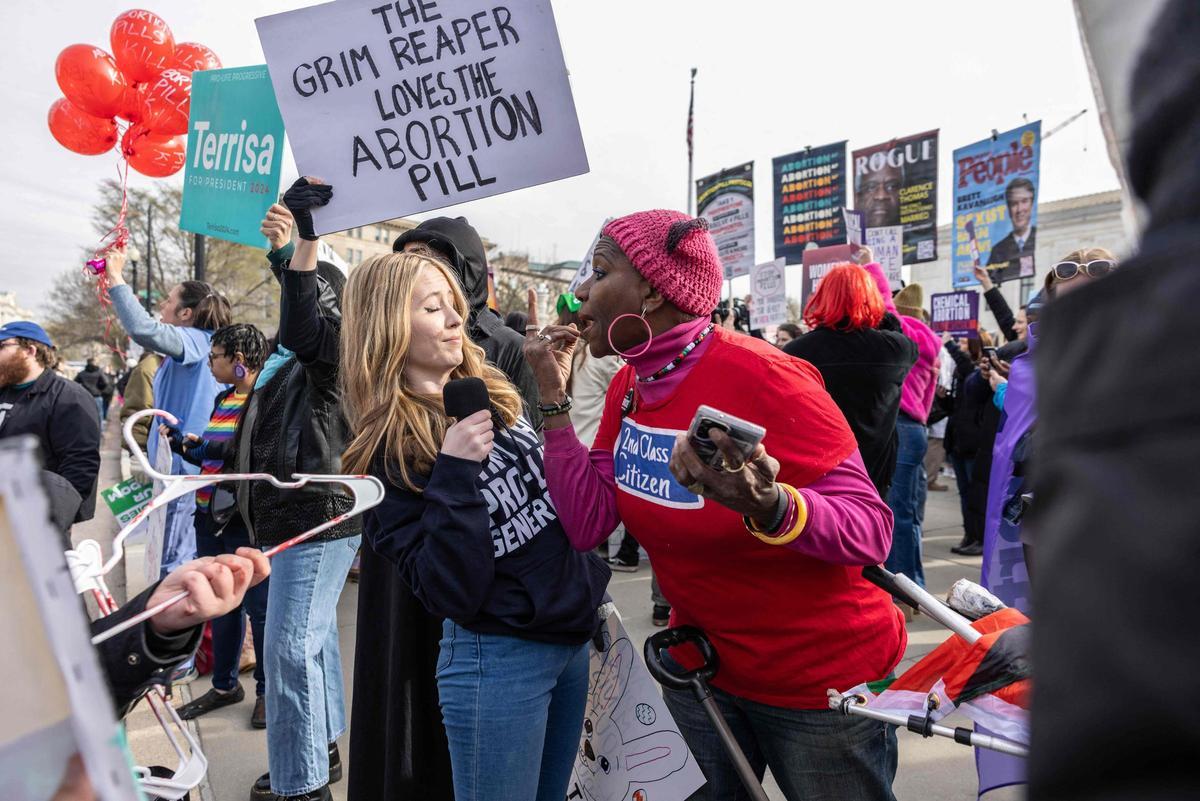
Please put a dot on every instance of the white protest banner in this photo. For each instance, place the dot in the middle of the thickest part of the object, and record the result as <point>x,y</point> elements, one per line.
<point>56,699</point>
<point>768,288</point>
<point>887,243</point>
<point>856,223</point>
<point>632,750</point>
<point>585,266</point>
<point>415,105</point>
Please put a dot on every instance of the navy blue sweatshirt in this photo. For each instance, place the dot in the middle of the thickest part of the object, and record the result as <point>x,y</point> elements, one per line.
<point>483,546</point>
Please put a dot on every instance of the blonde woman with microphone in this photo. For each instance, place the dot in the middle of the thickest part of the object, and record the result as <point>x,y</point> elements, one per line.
<point>468,521</point>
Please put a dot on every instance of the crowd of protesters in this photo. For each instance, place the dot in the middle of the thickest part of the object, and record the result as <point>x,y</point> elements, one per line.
<point>471,660</point>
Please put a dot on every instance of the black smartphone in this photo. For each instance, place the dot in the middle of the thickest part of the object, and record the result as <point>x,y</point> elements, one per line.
<point>746,435</point>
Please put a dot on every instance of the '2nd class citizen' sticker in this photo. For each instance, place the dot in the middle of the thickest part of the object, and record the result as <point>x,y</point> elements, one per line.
<point>640,459</point>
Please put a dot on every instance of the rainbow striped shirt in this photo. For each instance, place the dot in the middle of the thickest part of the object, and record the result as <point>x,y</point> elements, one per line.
<point>221,428</point>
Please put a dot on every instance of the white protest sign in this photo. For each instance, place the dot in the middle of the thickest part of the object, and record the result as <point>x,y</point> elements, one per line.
<point>856,223</point>
<point>887,243</point>
<point>585,266</point>
<point>768,289</point>
<point>415,105</point>
<point>631,749</point>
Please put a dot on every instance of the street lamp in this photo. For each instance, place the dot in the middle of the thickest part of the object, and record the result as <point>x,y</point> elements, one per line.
<point>134,255</point>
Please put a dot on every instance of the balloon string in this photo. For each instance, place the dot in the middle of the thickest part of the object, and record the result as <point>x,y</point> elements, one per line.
<point>119,235</point>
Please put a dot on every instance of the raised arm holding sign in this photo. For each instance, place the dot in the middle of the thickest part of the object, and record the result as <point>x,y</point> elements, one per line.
<point>412,106</point>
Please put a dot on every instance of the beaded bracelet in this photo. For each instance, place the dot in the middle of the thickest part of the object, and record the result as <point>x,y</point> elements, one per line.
<point>557,408</point>
<point>794,522</point>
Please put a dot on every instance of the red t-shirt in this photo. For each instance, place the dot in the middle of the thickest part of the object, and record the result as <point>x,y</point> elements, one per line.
<point>786,626</point>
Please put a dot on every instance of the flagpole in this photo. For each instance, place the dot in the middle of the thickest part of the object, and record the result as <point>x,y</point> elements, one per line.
<point>691,189</point>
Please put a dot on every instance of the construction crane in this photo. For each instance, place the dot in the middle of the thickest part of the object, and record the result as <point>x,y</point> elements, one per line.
<point>1063,124</point>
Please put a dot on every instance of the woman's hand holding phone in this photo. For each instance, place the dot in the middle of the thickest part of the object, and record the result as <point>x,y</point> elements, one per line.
<point>749,489</point>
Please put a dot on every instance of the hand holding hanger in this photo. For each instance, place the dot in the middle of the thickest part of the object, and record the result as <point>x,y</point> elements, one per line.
<point>214,587</point>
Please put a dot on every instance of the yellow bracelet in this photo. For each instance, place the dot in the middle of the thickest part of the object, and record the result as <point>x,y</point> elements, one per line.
<point>797,528</point>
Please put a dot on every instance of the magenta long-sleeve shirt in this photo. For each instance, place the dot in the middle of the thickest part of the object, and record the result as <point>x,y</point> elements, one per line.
<point>916,394</point>
<point>848,523</point>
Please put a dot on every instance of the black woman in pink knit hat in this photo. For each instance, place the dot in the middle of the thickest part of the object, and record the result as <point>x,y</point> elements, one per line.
<point>763,553</point>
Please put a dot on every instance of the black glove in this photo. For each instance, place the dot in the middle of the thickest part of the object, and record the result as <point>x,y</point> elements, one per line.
<point>301,199</point>
<point>175,438</point>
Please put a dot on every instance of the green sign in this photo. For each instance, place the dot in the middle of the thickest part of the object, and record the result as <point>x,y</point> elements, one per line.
<point>126,499</point>
<point>234,153</point>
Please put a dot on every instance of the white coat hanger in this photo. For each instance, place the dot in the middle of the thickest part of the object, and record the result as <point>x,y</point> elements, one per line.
<point>88,569</point>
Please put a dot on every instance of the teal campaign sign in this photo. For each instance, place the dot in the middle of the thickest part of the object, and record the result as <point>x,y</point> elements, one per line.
<point>234,151</point>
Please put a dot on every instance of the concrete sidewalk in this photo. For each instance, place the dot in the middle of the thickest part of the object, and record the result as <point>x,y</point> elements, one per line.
<point>936,769</point>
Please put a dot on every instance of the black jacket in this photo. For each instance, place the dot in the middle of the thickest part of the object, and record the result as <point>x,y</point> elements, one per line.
<point>137,659</point>
<point>492,567</point>
<point>93,379</point>
<point>864,371</point>
<point>1114,517</point>
<point>294,423</point>
<point>63,416</point>
<point>1002,312</point>
<point>462,247</point>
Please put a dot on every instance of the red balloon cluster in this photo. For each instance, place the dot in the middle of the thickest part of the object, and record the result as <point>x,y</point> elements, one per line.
<point>147,81</point>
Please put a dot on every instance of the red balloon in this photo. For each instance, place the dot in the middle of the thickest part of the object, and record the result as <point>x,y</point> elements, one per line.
<point>168,100</point>
<point>133,102</point>
<point>90,79</point>
<point>153,154</point>
<point>80,132</point>
<point>142,44</point>
<point>191,56</point>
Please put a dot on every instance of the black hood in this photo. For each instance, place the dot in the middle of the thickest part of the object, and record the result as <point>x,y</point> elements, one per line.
<point>1165,105</point>
<point>460,244</point>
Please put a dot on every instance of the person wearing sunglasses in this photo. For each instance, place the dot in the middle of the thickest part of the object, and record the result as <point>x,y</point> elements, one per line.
<point>1077,269</point>
<point>1005,570</point>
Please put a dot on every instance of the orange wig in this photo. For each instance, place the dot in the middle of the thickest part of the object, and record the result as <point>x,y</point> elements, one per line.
<point>847,299</point>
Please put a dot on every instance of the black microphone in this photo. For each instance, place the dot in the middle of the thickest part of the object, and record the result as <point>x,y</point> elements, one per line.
<point>463,397</point>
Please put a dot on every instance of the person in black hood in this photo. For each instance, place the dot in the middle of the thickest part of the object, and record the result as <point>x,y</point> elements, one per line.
<point>1115,511</point>
<point>398,747</point>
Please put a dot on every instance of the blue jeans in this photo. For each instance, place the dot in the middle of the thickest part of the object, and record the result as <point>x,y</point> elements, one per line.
<point>813,753</point>
<point>229,631</point>
<point>305,696</point>
<point>513,711</point>
<point>905,499</point>
<point>101,407</point>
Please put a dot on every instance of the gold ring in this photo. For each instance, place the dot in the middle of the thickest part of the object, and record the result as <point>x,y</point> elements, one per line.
<point>696,488</point>
<point>725,468</point>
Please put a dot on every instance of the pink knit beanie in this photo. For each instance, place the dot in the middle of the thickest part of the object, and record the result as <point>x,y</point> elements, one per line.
<point>675,253</point>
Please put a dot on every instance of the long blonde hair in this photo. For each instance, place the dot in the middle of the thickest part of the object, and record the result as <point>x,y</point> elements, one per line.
<point>388,418</point>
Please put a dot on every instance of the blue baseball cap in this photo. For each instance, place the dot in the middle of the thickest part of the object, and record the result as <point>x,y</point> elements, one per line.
<point>25,330</point>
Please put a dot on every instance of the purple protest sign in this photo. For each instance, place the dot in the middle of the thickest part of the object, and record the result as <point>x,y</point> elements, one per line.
<point>956,313</point>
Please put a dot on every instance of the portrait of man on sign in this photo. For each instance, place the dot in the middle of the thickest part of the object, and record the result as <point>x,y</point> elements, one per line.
<point>1019,197</point>
<point>877,192</point>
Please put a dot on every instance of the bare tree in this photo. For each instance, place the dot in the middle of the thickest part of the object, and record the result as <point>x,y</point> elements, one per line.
<point>76,318</point>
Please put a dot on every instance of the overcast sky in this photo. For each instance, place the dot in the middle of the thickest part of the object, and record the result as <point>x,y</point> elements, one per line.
<point>773,77</point>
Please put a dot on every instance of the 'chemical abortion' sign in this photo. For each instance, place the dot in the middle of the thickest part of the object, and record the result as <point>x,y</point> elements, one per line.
<point>414,105</point>
<point>956,313</point>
